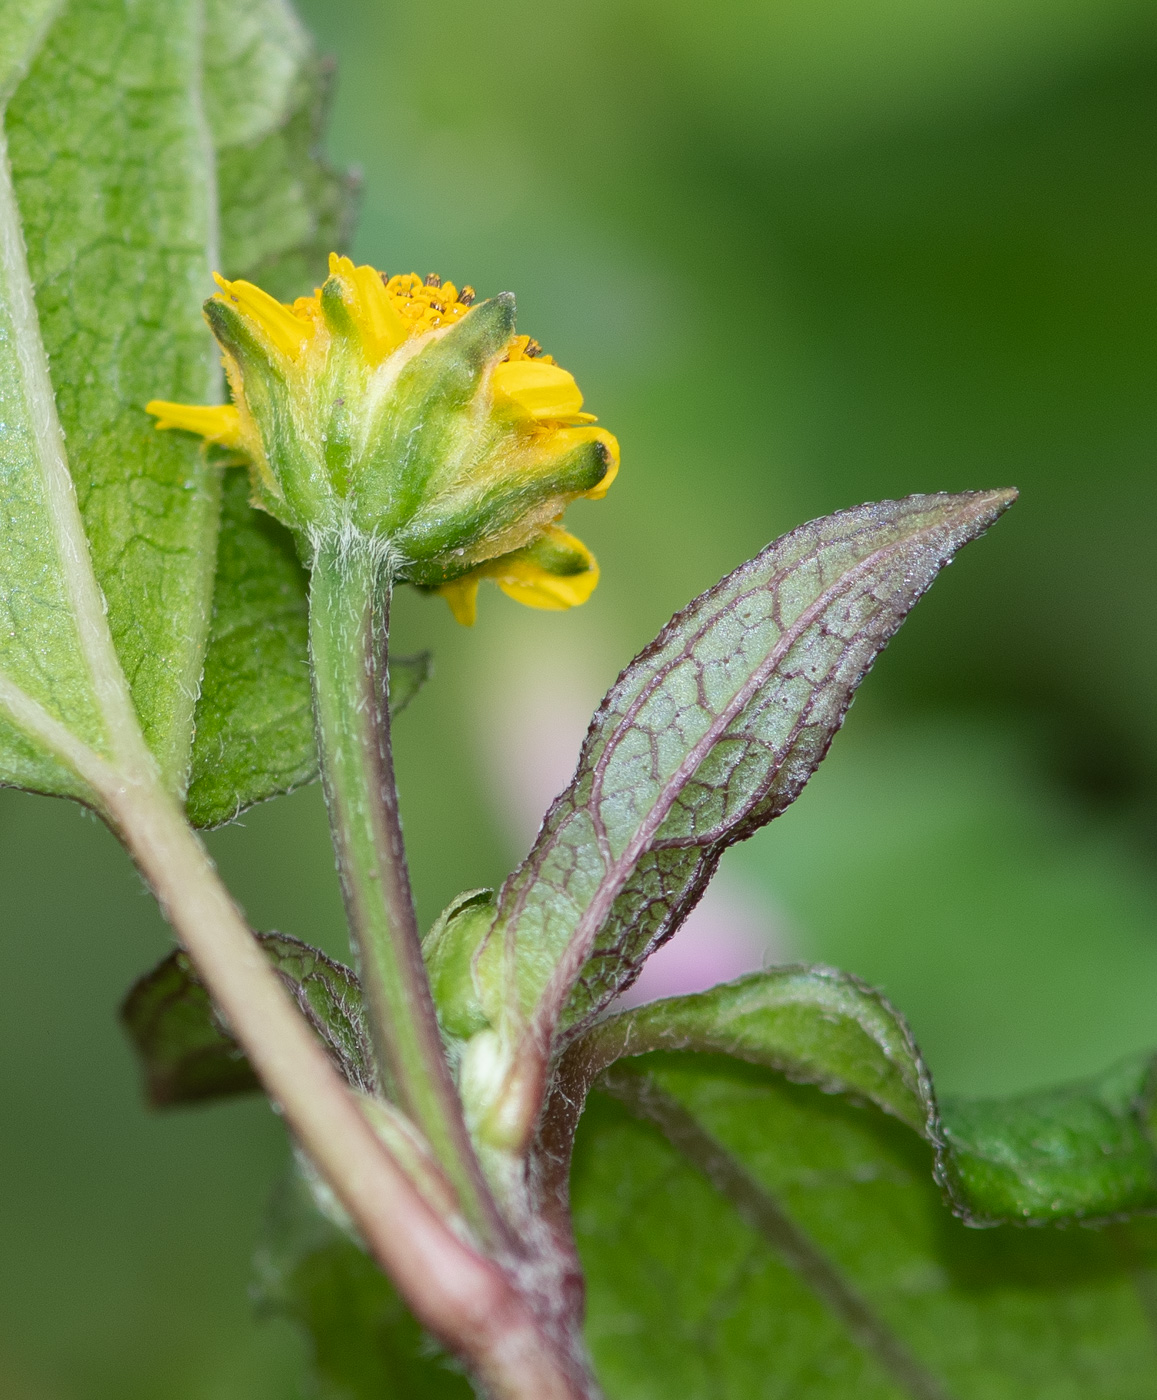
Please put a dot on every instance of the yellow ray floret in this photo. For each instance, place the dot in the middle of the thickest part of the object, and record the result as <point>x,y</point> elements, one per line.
<point>382,325</point>
<point>538,389</point>
<point>527,581</point>
<point>573,437</point>
<point>535,587</point>
<point>220,424</point>
<point>285,327</point>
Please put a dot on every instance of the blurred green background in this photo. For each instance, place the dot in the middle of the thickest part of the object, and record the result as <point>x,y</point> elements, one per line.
<point>799,254</point>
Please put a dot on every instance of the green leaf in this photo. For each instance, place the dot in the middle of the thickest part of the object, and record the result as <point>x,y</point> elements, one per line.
<point>255,54</point>
<point>47,665</point>
<point>815,1024</point>
<point>114,174</point>
<point>282,210</point>
<point>188,1054</point>
<point>408,674</point>
<point>365,1342</point>
<point>22,27</point>
<point>1082,1151</point>
<point>255,734</point>
<point>743,1236</point>
<point>64,705</point>
<point>114,181</point>
<point>710,733</point>
<point>255,716</point>
<point>1077,1153</point>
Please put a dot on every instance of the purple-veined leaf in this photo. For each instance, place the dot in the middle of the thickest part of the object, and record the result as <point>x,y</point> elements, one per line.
<point>707,735</point>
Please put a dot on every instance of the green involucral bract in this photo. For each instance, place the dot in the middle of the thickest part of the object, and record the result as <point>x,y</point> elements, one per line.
<point>414,450</point>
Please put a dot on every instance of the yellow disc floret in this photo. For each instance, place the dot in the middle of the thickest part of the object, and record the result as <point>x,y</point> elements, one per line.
<point>429,303</point>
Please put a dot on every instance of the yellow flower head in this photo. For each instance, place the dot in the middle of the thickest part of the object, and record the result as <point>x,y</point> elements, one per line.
<point>396,408</point>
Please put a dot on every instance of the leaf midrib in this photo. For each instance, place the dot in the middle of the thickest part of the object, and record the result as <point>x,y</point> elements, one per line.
<point>754,1204</point>
<point>110,689</point>
<point>598,910</point>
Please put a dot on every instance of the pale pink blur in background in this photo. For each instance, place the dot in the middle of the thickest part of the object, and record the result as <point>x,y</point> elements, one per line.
<point>531,732</point>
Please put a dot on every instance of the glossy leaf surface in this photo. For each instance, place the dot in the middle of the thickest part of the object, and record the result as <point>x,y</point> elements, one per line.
<point>187,1053</point>
<point>709,734</point>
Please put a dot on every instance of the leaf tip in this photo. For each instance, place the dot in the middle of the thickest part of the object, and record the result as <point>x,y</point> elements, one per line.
<point>991,505</point>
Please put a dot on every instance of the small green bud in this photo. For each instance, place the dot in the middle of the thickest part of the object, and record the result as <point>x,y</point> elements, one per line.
<point>449,950</point>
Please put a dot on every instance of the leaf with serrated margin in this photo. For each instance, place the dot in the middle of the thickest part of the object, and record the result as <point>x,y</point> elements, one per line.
<point>187,1052</point>
<point>707,735</point>
<point>1080,1152</point>
<point>748,1237</point>
<point>255,734</point>
<point>114,180</point>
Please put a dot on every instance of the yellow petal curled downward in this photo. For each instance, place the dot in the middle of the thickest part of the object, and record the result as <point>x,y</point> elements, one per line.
<point>528,579</point>
<point>535,587</point>
<point>220,424</point>
<point>288,331</point>
<point>462,595</point>
<point>537,389</point>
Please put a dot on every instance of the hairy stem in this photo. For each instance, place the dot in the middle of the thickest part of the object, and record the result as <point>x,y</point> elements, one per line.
<point>461,1296</point>
<point>349,623</point>
<point>469,1301</point>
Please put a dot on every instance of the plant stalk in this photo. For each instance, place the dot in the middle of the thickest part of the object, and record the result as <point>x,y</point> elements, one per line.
<point>349,610</point>
<point>464,1298</point>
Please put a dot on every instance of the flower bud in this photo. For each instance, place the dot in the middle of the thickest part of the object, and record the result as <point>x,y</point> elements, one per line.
<point>394,410</point>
